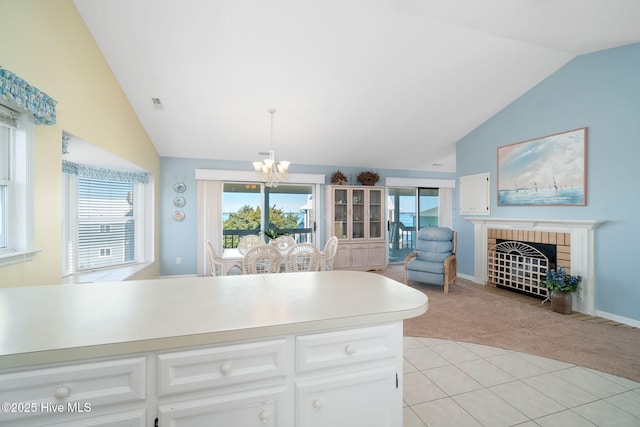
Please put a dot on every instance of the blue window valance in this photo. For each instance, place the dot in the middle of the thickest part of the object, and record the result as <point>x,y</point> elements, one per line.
<point>100,173</point>
<point>41,105</point>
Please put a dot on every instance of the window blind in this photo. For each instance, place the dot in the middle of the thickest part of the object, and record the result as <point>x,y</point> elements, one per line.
<point>8,117</point>
<point>106,224</point>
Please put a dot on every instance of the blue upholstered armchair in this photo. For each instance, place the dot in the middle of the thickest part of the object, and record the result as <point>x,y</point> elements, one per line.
<point>434,261</point>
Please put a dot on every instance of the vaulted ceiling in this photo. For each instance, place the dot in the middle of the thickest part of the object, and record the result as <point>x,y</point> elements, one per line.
<point>364,83</point>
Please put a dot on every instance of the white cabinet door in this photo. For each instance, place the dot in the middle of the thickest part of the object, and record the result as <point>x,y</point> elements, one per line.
<point>343,257</point>
<point>362,398</point>
<point>378,254</point>
<point>359,256</point>
<point>248,409</point>
<point>474,194</point>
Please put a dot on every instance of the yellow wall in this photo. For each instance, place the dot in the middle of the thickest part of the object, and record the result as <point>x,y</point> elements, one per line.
<point>46,43</point>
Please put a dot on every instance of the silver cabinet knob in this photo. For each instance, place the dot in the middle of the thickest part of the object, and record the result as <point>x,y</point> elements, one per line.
<point>264,416</point>
<point>225,369</point>
<point>62,392</point>
<point>317,404</point>
<point>350,350</point>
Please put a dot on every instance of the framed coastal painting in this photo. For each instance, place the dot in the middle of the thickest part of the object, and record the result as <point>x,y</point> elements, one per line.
<point>551,170</point>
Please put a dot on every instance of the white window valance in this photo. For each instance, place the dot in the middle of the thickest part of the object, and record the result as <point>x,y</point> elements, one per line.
<point>28,97</point>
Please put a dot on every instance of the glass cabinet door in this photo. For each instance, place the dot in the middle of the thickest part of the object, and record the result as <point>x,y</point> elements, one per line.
<point>341,213</point>
<point>358,217</point>
<point>375,213</point>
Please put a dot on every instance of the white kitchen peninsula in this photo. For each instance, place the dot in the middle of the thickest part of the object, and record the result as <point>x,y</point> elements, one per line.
<point>291,349</point>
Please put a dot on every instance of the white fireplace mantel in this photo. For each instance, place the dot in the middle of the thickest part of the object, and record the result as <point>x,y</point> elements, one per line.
<point>582,250</point>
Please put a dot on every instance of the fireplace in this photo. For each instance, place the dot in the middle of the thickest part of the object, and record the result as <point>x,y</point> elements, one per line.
<point>573,239</point>
<point>520,266</point>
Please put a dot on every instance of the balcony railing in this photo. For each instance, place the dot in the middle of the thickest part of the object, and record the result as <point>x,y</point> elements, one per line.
<point>230,238</point>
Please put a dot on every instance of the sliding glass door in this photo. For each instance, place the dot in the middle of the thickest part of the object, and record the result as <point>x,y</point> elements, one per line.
<point>289,210</point>
<point>404,223</point>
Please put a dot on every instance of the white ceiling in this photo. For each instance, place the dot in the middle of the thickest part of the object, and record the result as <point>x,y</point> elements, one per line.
<point>364,83</point>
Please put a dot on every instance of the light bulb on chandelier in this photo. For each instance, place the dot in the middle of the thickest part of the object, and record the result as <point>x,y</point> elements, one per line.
<point>268,170</point>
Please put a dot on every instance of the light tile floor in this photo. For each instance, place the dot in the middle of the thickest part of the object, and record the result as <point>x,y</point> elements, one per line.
<point>449,383</point>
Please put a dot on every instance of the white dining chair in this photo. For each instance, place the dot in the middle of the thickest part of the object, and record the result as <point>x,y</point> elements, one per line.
<point>215,262</point>
<point>247,242</point>
<point>283,243</point>
<point>263,259</point>
<point>302,257</point>
<point>328,254</point>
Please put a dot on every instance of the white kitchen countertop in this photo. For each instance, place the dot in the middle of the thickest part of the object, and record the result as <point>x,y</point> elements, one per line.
<point>45,324</point>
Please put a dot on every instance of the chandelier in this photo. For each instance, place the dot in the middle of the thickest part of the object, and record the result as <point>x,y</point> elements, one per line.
<point>268,170</point>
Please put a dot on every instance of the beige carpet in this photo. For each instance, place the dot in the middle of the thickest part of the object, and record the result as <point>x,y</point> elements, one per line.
<point>500,318</point>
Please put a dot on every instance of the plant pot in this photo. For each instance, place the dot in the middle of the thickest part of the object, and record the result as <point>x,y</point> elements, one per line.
<point>561,302</point>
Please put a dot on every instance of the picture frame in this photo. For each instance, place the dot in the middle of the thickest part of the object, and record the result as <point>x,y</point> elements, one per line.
<point>546,171</point>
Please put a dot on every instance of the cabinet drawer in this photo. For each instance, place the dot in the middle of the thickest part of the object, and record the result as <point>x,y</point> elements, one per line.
<point>74,386</point>
<point>120,419</point>
<point>199,369</point>
<point>264,408</point>
<point>331,349</point>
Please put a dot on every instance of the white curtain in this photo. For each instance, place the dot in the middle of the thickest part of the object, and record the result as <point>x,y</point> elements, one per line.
<point>445,211</point>
<point>209,221</point>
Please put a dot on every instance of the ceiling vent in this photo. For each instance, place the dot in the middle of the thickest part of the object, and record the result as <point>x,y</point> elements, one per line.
<point>157,104</point>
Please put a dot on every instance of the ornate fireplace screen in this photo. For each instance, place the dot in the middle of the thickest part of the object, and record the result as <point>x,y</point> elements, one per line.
<point>518,266</point>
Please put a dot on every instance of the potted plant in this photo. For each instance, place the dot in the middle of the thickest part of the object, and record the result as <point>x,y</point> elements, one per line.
<point>368,177</point>
<point>338,178</point>
<point>561,285</point>
<point>272,233</point>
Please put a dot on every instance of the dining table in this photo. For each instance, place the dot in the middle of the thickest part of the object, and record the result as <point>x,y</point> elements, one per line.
<point>233,257</point>
<point>230,258</point>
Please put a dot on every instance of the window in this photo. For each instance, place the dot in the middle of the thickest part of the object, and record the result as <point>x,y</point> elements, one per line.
<point>108,228</point>
<point>106,223</point>
<point>6,136</point>
<point>108,218</point>
<point>16,186</point>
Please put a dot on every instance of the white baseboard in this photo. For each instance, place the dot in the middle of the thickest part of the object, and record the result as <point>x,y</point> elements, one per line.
<point>631,322</point>
<point>177,276</point>
<point>471,278</point>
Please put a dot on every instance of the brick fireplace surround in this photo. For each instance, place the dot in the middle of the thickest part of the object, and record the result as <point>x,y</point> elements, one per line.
<point>562,242</point>
<point>574,240</point>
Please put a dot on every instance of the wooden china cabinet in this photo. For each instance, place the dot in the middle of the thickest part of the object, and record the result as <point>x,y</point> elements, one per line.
<point>355,214</point>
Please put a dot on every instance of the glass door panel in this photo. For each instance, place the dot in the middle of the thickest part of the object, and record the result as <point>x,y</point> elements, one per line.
<point>241,212</point>
<point>375,214</point>
<point>402,223</point>
<point>358,218</point>
<point>428,206</point>
<point>341,213</point>
<point>290,211</point>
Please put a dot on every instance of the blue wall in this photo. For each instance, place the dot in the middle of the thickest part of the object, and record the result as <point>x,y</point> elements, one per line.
<point>600,91</point>
<point>180,239</point>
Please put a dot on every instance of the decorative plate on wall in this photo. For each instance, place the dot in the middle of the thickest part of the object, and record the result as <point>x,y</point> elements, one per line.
<point>178,216</point>
<point>179,202</point>
<point>179,187</point>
